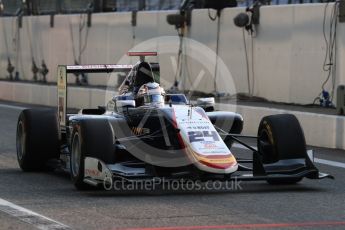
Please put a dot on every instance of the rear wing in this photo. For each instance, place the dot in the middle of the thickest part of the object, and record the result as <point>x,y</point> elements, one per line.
<point>142,55</point>
<point>64,70</point>
<point>97,68</point>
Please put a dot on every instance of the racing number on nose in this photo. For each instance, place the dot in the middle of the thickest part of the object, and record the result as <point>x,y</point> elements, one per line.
<point>198,136</point>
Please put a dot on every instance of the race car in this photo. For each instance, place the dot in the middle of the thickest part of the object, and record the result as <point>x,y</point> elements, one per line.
<point>145,133</point>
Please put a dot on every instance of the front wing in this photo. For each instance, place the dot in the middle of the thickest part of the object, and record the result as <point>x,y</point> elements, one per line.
<point>97,173</point>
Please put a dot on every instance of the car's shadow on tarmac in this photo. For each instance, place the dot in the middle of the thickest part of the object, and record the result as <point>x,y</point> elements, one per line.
<point>246,188</point>
<point>61,181</point>
<point>159,192</point>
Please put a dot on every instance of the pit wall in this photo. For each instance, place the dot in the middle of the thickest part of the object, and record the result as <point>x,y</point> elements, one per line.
<point>288,49</point>
<point>320,130</point>
<point>288,56</point>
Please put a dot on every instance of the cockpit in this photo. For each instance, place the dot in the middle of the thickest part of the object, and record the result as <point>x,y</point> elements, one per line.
<point>140,74</point>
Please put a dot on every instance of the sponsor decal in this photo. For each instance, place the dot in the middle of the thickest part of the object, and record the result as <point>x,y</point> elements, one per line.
<point>97,67</point>
<point>92,172</point>
<point>140,131</point>
<point>187,121</point>
<point>210,145</point>
<point>62,95</point>
<point>199,136</point>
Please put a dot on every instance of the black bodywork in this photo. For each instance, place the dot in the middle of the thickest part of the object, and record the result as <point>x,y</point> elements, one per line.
<point>153,139</point>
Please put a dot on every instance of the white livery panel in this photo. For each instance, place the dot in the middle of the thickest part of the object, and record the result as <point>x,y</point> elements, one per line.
<point>202,142</point>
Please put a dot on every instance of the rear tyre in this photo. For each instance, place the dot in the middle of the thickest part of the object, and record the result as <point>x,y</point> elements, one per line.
<point>91,138</point>
<point>281,137</point>
<point>37,138</point>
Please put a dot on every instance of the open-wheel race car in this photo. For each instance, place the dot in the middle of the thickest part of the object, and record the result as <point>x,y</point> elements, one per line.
<point>145,133</point>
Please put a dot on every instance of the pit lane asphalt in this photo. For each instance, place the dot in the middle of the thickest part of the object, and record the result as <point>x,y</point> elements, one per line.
<point>53,195</point>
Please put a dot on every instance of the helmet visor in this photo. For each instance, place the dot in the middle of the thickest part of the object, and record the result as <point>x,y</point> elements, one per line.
<point>154,99</point>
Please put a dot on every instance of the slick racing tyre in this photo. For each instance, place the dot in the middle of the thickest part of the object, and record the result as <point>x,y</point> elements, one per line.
<point>280,137</point>
<point>92,138</point>
<point>37,138</point>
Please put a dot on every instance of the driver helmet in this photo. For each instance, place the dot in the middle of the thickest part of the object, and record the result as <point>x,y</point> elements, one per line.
<point>151,94</point>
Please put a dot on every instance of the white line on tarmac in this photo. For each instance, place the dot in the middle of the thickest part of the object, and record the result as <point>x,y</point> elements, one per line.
<point>316,160</point>
<point>12,107</point>
<point>328,162</point>
<point>30,217</point>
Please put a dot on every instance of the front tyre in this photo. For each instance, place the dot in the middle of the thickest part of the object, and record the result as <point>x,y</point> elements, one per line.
<point>90,138</point>
<point>280,137</point>
<point>77,161</point>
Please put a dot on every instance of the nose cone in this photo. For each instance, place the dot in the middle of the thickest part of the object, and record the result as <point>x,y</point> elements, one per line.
<point>216,163</point>
<point>202,143</point>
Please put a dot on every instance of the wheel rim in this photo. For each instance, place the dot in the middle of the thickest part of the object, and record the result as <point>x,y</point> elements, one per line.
<point>264,140</point>
<point>76,155</point>
<point>20,140</point>
<point>265,146</point>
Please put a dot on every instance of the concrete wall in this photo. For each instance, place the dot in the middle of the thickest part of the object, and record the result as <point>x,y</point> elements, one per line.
<point>319,129</point>
<point>288,50</point>
<point>47,95</point>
